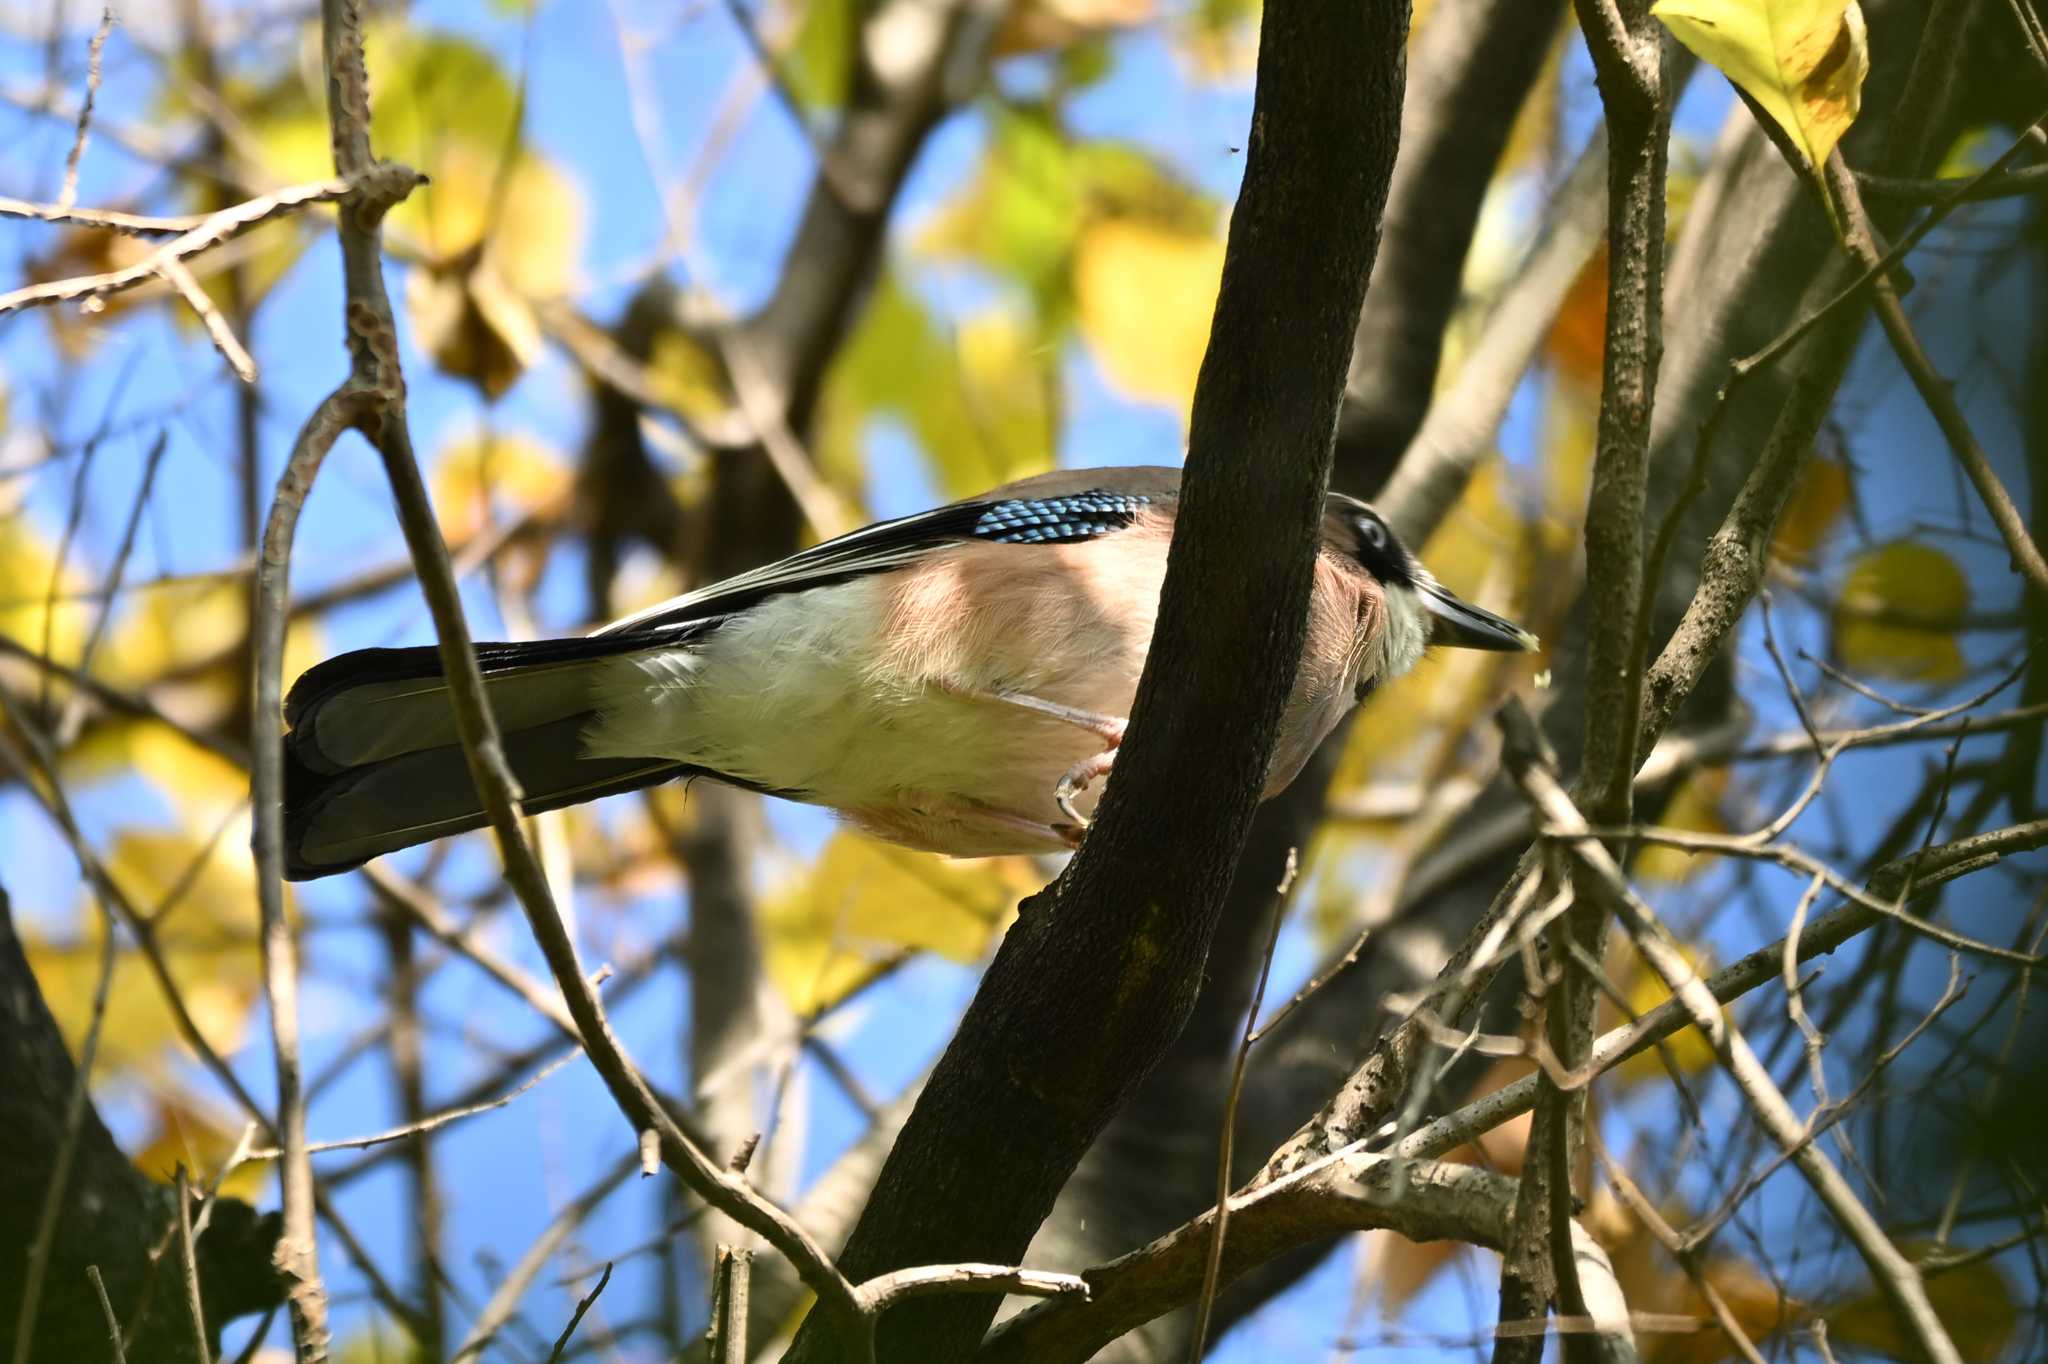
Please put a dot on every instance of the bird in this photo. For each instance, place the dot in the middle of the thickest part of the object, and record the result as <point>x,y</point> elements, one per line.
<point>956,681</point>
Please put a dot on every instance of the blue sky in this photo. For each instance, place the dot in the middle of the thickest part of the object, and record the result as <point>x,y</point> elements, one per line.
<point>503,1176</point>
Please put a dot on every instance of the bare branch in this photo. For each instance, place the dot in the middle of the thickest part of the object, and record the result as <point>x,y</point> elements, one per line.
<point>1214,1268</point>
<point>373,399</point>
<point>69,194</point>
<point>1896,1277</point>
<point>1935,391</point>
<point>189,1262</point>
<point>212,230</point>
<point>1350,1190</point>
<point>886,1290</point>
<point>138,224</point>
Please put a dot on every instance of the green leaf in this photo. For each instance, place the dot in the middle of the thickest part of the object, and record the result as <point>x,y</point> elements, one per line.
<point>818,63</point>
<point>1819,500</point>
<point>978,398</point>
<point>427,88</point>
<point>1145,295</point>
<point>1036,193</point>
<point>1802,61</point>
<point>863,901</point>
<point>1898,613</point>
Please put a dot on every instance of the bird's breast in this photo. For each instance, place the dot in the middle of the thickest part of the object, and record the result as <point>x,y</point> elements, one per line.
<point>881,697</point>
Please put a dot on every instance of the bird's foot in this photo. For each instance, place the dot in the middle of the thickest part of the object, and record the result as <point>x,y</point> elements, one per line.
<point>1078,779</point>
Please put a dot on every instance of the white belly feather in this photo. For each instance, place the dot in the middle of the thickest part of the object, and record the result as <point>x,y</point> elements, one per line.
<point>876,697</point>
<point>794,696</point>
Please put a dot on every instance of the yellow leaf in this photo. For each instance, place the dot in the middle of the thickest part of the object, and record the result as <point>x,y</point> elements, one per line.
<point>207,941</point>
<point>1818,500</point>
<point>976,399</point>
<point>530,226</point>
<point>203,785</point>
<point>688,376</point>
<point>1534,138</point>
<point>818,63</point>
<point>1898,612</point>
<point>1218,41</point>
<point>1653,1284</point>
<point>1020,212</point>
<point>1145,296</point>
<point>188,1135</point>
<point>505,473</point>
<point>473,326</point>
<point>1802,61</point>
<point>862,901</point>
<point>86,251</point>
<point>1974,1302</point>
<point>1645,990</point>
<point>1045,25</point>
<point>1577,343</point>
<point>31,605</point>
<point>1696,808</point>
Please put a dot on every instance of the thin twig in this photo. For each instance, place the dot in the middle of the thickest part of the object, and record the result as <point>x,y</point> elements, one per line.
<point>188,1261</point>
<point>67,727</point>
<point>115,1344</point>
<point>1212,1273</point>
<point>114,220</point>
<point>426,1124</point>
<point>562,1341</point>
<point>1937,392</point>
<point>375,372</point>
<point>1900,189</point>
<point>212,230</point>
<point>1940,864</point>
<point>884,1291</point>
<point>1937,214</point>
<point>505,1300</point>
<point>725,1339</point>
<point>296,1255</point>
<point>1687,1256</point>
<point>217,328</point>
<point>68,196</point>
<point>1895,1275</point>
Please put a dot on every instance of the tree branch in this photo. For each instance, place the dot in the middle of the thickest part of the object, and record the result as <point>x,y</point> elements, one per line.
<point>1116,946</point>
<point>1896,1276</point>
<point>376,404</point>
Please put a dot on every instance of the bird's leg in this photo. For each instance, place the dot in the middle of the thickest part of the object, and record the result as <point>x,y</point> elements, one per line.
<point>1108,728</point>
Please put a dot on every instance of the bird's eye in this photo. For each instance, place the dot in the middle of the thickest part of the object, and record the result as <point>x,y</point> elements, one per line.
<point>1375,534</point>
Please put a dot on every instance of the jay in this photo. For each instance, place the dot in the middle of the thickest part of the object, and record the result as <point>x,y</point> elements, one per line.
<point>955,681</point>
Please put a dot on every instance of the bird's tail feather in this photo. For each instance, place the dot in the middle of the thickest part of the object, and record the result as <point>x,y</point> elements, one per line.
<point>372,762</point>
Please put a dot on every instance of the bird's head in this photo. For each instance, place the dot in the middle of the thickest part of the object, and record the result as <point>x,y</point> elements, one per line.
<point>1420,611</point>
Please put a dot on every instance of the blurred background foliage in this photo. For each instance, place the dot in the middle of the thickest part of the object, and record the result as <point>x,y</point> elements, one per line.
<point>1041,296</point>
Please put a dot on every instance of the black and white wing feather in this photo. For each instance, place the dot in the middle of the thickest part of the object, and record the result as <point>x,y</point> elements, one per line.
<point>894,544</point>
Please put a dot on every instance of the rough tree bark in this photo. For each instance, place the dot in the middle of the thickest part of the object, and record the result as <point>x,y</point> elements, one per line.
<point>1744,267</point>
<point>1116,946</point>
<point>110,1216</point>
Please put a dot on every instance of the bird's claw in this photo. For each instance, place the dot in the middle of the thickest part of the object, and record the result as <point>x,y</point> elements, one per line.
<point>1077,780</point>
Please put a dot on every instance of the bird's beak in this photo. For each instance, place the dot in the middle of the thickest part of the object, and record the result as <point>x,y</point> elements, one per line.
<point>1461,625</point>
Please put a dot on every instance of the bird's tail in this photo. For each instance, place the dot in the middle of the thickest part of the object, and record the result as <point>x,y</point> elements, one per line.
<point>372,763</point>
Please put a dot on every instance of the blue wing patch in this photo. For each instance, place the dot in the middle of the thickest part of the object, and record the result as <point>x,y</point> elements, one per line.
<point>1057,520</point>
